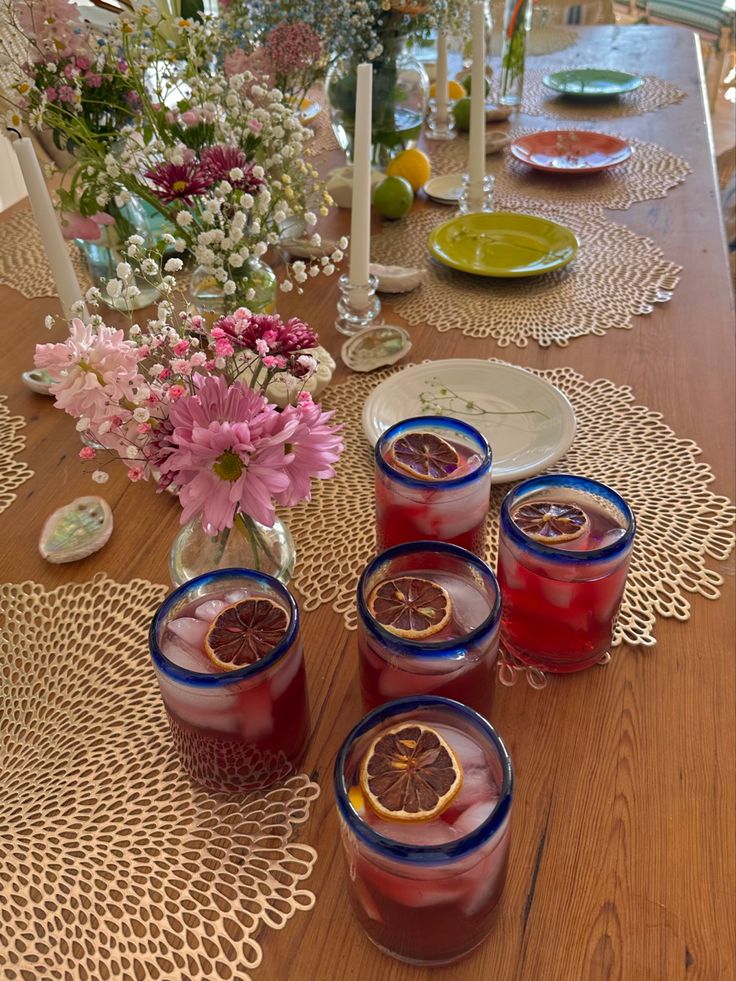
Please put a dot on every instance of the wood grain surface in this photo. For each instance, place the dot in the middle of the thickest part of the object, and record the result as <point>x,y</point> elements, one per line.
<point>623,860</point>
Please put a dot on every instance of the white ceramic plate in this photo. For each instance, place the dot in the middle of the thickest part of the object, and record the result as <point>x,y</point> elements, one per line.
<point>529,423</point>
<point>446,189</point>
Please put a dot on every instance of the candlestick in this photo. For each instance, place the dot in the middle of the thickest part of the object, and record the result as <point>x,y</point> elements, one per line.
<point>360,218</point>
<point>53,241</point>
<point>441,124</point>
<point>477,149</point>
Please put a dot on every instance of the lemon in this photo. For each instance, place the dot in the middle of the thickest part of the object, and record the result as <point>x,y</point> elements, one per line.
<point>413,166</point>
<point>393,197</point>
<point>454,90</point>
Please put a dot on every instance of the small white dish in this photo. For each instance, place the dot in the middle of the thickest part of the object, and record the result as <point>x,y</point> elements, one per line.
<point>496,140</point>
<point>529,423</point>
<point>446,189</point>
<point>38,381</point>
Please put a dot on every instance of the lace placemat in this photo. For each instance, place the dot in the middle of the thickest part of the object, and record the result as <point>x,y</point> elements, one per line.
<point>324,137</point>
<point>538,100</point>
<point>13,472</point>
<point>616,276</point>
<point>113,865</point>
<point>23,263</point>
<point>649,173</point>
<point>680,521</point>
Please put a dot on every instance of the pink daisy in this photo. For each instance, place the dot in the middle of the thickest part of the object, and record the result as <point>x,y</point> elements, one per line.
<point>178,182</point>
<point>217,162</point>
<point>315,446</point>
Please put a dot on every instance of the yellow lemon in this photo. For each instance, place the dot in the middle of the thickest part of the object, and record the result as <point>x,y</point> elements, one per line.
<point>413,166</point>
<point>454,90</point>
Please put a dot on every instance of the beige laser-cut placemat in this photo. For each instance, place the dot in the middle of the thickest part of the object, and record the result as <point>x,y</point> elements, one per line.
<point>681,522</point>
<point>616,276</point>
<point>112,864</point>
<point>23,263</point>
<point>651,172</point>
<point>13,472</point>
<point>538,100</point>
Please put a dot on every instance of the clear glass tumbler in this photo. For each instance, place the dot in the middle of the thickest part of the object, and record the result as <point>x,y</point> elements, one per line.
<point>426,892</point>
<point>561,598</point>
<point>244,728</point>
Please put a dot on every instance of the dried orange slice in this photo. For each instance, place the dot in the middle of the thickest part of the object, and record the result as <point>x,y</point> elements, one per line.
<point>244,632</point>
<point>425,456</point>
<point>410,607</point>
<point>410,773</point>
<point>551,522</point>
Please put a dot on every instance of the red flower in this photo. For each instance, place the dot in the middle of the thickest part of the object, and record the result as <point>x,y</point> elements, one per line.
<point>178,182</point>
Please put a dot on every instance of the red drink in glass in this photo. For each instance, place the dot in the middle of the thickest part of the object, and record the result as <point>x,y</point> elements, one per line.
<point>241,729</point>
<point>426,891</point>
<point>445,502</point>
<point>560,599</point>
<point>456,661</point>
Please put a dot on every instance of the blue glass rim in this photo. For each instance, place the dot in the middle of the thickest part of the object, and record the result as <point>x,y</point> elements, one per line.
<point>437,648</point>
<point>224,678</point>
<point>421,423</point>
<point>555,553</point>
<point>424,854</point>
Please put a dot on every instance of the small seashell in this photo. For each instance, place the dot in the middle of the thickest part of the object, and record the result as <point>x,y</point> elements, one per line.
<point>397,279</point>
<point>496,140</point>
<point>376,347</point>
<point>38,381</point>
<point>302,248</point>
<point>340,185</point>
<point>496,113</point>
<point>76,530</point>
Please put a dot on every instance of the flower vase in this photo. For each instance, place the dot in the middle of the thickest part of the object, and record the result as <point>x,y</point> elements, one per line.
<point>103,255</point>
<point>255,288</point>
<point>400,96</point>
<point>247,545</point>
<point>516,23</point>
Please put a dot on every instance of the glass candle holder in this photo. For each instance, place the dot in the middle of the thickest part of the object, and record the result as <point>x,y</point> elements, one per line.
<point>234,730</point>
<point>426,892</point>
<point>452,508</point>
<point>358,306</point>
<point>476,196</point>
<point>560,601</point>
<point>459,660</point>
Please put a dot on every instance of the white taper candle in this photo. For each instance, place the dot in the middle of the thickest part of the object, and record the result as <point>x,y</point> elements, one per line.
<point>441,96</point>
<point>48,225</point>
<point>477,145</point>
<point>360,218</point>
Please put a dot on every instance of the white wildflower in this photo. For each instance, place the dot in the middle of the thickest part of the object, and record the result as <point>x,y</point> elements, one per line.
<point>100,477</point>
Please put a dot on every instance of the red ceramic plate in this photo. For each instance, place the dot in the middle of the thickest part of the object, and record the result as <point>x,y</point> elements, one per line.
<point>569,151</point>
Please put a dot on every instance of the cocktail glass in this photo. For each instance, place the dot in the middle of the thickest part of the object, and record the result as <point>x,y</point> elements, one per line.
<point>426,892</point>
<point>448,509</point>
<point>234,730</point>
<point>560,601</point>
<point>459,661</point>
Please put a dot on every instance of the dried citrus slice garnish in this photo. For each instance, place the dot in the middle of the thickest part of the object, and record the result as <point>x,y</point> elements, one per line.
<point>410,607</point>
<point>425,456</point>
<point>244,632</point>
<point>410,773</point>
<point>550,522</point>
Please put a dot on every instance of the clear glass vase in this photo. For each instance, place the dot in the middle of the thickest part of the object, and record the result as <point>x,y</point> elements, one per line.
<point>255,289</point>
<point>516,23</point>
<point>400,96</point>
<point>247,545</point>
<point>103,255</point>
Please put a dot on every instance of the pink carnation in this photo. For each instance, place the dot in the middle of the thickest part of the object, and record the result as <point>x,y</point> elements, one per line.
<point>235,62</point>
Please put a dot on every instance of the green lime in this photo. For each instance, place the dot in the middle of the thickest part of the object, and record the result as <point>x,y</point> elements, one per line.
<point>467,84</point>
<point>461,112</point>
<point>393,197</point>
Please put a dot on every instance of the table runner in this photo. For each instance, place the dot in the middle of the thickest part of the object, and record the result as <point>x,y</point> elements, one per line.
<point>13,472</point>
<point>649,173</point>
<point>616,276</point>
<point>680,521</point>
<point>114,865</point>
<point>538,100</point>
<point>23,263</point>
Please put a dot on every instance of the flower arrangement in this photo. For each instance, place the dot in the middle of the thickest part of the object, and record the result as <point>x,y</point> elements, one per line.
<point>183,404</point>
<point>218,154</point>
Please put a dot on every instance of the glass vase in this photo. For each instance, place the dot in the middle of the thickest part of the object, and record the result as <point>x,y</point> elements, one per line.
<point>247,545</point>
<point>400,96</point>
<point>103,254</point>
<point>255,289</point>
<point>516,23</point>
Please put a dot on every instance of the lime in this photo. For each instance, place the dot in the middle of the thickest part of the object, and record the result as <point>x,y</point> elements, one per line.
<point>467,84</point>
<point>412,165</point>
<point>393,197</point>
<point>461,112</point>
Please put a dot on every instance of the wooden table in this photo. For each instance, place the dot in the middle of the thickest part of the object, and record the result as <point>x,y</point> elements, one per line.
<point>624,852</point>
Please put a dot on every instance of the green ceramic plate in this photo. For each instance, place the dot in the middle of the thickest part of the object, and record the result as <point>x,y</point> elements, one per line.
<point>592,83</point>
<point>502,244</point>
